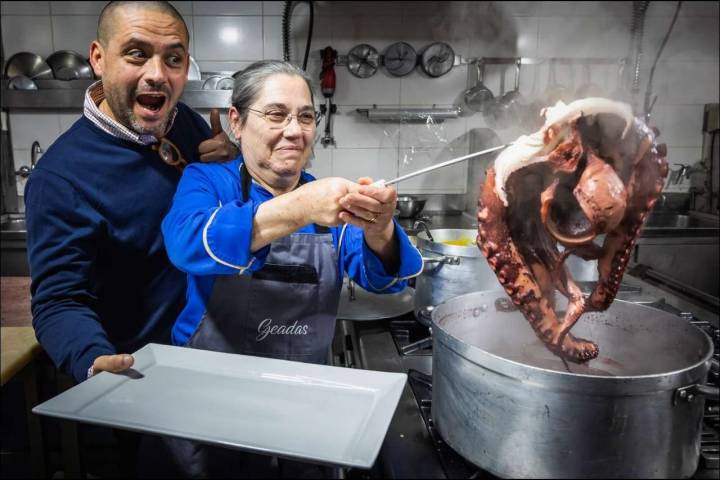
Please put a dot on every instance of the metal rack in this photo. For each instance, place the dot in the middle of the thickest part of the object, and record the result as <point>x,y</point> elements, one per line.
<point>409,114</point>
<point>70,95</point>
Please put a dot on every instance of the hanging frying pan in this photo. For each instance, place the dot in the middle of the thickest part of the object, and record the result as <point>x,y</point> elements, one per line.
<point>400,59</point>
<point>363,60</point>
<point>437,59</point>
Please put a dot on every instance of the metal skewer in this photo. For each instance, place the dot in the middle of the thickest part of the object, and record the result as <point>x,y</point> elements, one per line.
<point>439,165</point>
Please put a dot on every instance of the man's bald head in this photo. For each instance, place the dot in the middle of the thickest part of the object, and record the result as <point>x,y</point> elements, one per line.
<point>106,20</point>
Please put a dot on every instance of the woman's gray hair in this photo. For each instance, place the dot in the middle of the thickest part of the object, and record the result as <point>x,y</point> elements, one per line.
<point>249,82</point>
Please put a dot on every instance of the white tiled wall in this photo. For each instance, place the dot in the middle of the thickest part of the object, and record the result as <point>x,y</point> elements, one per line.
<point>227,36</point>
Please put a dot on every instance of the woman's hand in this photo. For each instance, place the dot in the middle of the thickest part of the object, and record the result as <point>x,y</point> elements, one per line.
<point>324,198</point>
<point>315,202</point>
<point>370,208</point>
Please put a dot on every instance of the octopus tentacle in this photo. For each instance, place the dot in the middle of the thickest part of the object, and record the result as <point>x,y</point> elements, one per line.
<point>644,187</point>
<point>495,242</point>
<point>576,307</point>
<point>592,169</point>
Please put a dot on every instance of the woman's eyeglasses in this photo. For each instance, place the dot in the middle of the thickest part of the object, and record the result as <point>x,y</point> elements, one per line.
<point>170,153</point>
<point>280,119</point>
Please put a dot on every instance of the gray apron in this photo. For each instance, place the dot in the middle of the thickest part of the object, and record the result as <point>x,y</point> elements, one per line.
<point>285,310</point>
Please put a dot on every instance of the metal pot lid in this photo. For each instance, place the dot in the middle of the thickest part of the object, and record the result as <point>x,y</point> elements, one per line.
<point>437,59</point>
<point>363,60</point>
<point>400,59</point>
<point>29,65</point>
<point>373,306</point>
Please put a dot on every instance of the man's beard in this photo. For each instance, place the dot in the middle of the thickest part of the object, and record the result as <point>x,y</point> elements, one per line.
<point>135,125</point>
<point>123,111</point>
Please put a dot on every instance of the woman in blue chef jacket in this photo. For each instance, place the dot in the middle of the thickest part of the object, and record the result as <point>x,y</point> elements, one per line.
<point>265,244</point>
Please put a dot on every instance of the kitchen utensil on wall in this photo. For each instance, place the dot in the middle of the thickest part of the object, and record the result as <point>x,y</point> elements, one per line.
<point>29,65</point>
<point>327,85</point>
<point>437,59</point>
<point>69,65</point>
<point>400,59</point>
<point>478,97</point>
<point>363,60</point>
<point>507,110</point>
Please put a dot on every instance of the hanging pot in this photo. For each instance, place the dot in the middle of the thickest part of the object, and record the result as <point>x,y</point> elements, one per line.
<point>479,96</point>
<point>453,265</point>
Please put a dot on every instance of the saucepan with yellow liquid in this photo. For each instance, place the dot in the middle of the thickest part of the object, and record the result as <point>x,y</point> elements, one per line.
<point>454,266</point>
<point>460,242</point>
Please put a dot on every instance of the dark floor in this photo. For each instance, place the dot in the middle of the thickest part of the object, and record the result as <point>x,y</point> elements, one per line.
<point>99,453</point>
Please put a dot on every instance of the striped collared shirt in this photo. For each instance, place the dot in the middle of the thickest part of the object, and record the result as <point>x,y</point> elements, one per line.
<point>94,95</point>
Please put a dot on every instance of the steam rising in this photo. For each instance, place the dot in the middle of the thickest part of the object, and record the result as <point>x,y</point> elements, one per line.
<point>529,149</point>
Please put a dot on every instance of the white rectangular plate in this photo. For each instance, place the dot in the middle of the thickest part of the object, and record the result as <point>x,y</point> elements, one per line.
<point>318,413</point>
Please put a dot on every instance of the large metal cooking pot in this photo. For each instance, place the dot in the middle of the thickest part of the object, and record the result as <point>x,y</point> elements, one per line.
<point>450,270</point>
<point>507,404</point>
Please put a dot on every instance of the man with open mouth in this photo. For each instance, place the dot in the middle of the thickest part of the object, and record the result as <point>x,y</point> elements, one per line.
<point>102,285</point>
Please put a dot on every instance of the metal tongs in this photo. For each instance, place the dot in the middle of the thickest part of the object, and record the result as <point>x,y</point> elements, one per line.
<point>383,183</point>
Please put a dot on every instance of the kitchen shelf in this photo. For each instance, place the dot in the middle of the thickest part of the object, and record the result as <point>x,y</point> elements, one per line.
<point>409,114</point>
<point>70,95</point>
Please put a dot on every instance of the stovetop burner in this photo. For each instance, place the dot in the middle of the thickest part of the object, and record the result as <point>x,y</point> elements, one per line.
<point>452,463</point>
<point>410,337</point>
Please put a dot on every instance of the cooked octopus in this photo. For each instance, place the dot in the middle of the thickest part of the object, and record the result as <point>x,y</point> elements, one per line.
<point>592,169</point>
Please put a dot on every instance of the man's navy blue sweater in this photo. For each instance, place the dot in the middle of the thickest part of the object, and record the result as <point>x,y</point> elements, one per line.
<point>101,279</point>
